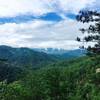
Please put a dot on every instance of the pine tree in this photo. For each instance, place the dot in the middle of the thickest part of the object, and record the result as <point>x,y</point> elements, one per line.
<point>93,19</point>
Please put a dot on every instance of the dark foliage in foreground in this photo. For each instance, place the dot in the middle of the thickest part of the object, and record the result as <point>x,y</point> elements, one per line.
<point>66,80</point>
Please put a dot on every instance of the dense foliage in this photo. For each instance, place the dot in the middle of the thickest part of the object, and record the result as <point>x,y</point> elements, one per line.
<point>76,79</point>
<point>10,72</point>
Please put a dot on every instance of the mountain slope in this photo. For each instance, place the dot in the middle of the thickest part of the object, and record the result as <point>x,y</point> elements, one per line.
<point>65,80</point>
<point>9,72</point>
<point>24,56</point>
<point>74,53</point>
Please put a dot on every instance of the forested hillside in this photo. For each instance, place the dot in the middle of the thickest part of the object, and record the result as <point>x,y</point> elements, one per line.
<point>9,71</point>
<point>77,79</point>
<point>22,57</point>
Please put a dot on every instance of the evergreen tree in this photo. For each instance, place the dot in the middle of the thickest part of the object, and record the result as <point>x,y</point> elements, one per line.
<point>93,19</point>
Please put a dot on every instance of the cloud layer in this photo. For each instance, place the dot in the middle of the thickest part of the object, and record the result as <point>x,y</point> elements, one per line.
<point>41,23</point>
<point>39,33</point>
<point>39,7</point>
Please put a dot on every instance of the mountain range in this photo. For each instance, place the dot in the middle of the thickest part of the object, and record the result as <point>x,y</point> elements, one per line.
<point>25,56</point>
<point>62,52</point>
<point>13,61</point>
<point>36,57</point>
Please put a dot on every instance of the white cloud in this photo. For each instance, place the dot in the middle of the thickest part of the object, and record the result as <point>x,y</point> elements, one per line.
<point>40,33</point>
<point>38,7</point>
<point>95,5</point>
<point>72,5</point>
<point>16,7</point>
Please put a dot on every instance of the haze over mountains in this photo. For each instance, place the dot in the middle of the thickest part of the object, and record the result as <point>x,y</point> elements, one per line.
<point>36,57</point>
<point>62,52</point>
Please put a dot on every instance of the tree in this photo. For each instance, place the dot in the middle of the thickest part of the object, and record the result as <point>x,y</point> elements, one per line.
<point>93,19</point>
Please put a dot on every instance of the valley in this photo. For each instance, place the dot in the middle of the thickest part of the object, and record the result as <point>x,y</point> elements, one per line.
<point>26,74</point>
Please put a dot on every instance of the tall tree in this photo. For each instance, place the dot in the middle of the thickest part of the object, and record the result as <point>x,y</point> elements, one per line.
<point>93,19</point>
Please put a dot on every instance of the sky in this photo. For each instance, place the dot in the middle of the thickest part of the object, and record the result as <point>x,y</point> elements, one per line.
<point>42,23</point>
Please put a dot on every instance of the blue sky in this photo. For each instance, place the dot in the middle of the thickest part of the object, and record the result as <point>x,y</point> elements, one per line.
<point>52,16</point>
<point>42,23</point>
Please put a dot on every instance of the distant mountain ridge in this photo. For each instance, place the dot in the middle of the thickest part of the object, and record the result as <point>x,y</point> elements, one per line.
<point>36,57</point>
<point>62,52</point>
<point>74,53</point>
<point>24,56</point>
<point>50,50</point>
